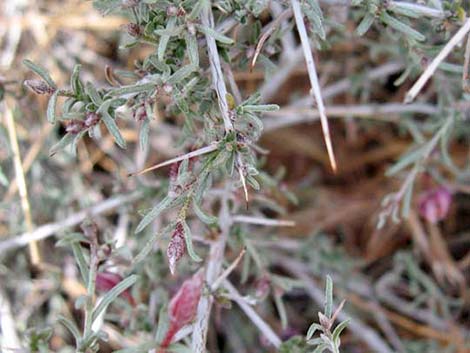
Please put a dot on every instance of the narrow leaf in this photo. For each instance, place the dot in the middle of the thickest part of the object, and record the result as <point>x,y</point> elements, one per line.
<point>204,217</point>
<point>81,261</point>
<point>401,27</point>
<point>189,243</point>
<point>365,24</point>
<point>164,39</point>
<point>338,329</point>
<point>113,129</point>
<point>312,329</point>
<point>73,329</point>
<point>51,116</point>
<point>328,296</point>
<point>193,50</point>
<point>41,72</point>
<point>217,36</point>
<point>144,134</point>
<point>137,88</point>
<point>113,294</point>
<point>181,74</point>
<point>154,213</point>
<point>64,141</point>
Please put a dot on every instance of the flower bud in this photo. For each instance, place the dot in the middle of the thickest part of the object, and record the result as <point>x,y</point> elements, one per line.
<point>324,321</point>
<point>167,88</point>
<point>134,29</point>
<point>172,11</point>
<point>75,126</point>
<point>91,119</point>
<point>434,204</point>
<point>191,28</point>
<point>39,87</point>
<point>262,287</point>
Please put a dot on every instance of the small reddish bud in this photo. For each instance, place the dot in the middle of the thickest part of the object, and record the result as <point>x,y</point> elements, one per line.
<point>176,248</point>
<point>172,11</point>
<point>183,307</point>
<point>91,119</point>
<point>191,28</point>
<point>434,204</point>
<point>134,29</point>
<point>105,281</point>
<point>39,87</point>
<point>140,113</point>
<point>167,88</point>
<point>324,321</point>
<point>75,126</point>
<point>262,286</point>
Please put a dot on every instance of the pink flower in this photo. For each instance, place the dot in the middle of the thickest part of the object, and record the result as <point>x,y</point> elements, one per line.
<point>183,307</point>
<point>106,281</point>
<point>434,204</point>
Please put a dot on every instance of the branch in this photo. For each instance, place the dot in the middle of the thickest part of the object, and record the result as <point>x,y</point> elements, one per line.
<point>293,115</point>
<point>216,70</point>
<point>49,229</point>
<point>214,266</point>
<point>21,182</point>
<point>312,73</point>
<point>263,221</point>
<point>455,40</point>
<point>264,328</point>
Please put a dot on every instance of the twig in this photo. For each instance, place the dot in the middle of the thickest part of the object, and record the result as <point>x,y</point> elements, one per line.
<point>228,271</point>
<point>214,266</point>
<point>216,70</point>
<point>263,221</point>
<point>292,115</point>
<point>346,84</point>
<point>287,39</point>
<point>10,341</point>
<point>50,229</point>
<point>465,73</point>
<point>312,73</point>
<point>267,33</point>
<point>20,179</point>
<point>29,158</point>
<point>198,152</point>
<point>264,328</point>
<point>455,40</point>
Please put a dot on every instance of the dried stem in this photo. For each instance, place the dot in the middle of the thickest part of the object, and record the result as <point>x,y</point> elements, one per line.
<point>214,266</point>
<point>384,112</point>
<point>263,221</point>
<point>312,73</point>
<point>50,229</point>
<point>216,70</point>
<point>262,326</point>
<point>455,40</point>
<point>20,178</point>
<point>465,73</point>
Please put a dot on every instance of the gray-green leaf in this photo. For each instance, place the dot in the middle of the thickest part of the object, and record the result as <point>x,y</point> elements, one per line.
<point>40,72</point>
<point>51,116</point>
<point>154,213</point>
<point>113,294</point>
